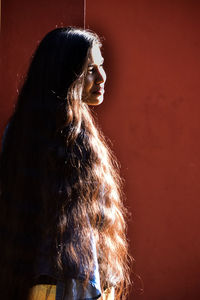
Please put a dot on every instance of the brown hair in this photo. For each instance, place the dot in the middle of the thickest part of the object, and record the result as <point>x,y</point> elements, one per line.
<point>58,177</point>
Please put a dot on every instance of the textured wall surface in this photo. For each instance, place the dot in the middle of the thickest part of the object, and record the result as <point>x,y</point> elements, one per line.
<point>151,113</point>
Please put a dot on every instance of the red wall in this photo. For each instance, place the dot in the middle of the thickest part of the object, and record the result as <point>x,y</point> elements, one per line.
<point>151,113</point>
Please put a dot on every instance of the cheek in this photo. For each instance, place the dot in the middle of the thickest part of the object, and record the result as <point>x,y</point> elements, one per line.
<point>89,81</point>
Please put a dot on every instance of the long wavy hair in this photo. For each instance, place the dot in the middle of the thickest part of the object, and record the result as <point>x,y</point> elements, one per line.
<point>58,176</point>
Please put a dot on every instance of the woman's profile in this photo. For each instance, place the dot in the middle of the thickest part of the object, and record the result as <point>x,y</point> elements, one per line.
<point>62,218</point>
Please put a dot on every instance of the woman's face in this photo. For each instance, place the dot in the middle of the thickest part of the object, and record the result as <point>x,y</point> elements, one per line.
<point>93,90</point>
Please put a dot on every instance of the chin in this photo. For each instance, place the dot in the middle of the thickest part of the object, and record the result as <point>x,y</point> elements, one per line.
<point>95,101</point>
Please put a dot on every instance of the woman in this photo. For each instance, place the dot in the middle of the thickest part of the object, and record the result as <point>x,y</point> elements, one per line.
<point>62,217</point>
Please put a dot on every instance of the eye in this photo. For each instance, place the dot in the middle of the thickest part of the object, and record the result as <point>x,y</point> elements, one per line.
<point>91,70</point>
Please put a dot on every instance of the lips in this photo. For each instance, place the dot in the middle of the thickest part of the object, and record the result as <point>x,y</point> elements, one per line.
<point>99,91</point>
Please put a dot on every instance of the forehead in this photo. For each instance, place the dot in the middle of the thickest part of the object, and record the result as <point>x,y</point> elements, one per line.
<point>95,56</point>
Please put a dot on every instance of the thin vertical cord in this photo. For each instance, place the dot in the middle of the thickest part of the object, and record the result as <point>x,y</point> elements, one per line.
<point>84,17</point>
<point>0,15</point>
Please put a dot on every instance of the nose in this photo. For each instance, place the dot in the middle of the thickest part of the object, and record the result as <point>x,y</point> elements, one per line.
<point>101,76</point>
